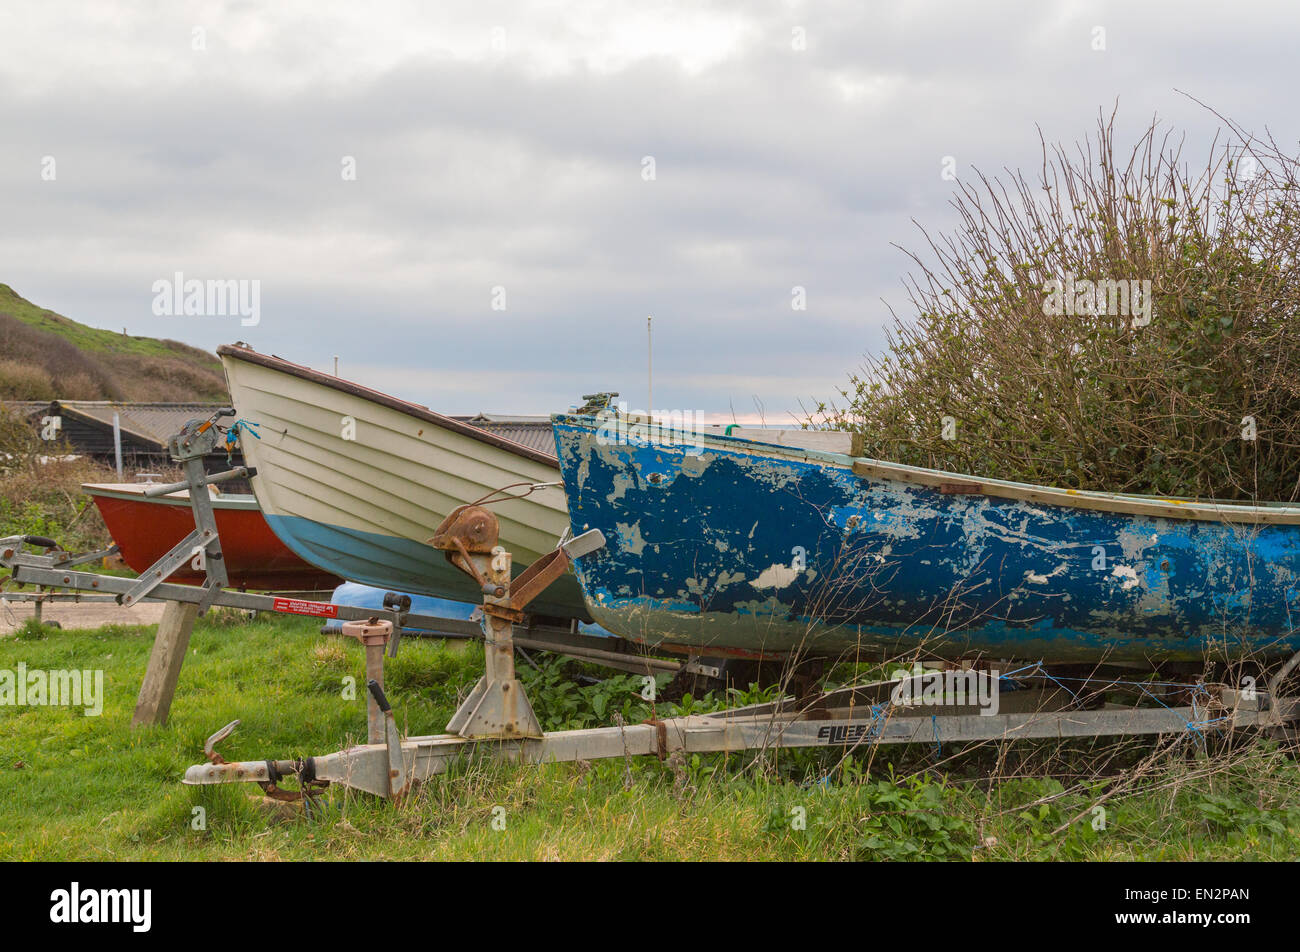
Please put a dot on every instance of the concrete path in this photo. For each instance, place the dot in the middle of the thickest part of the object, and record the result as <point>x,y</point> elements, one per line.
<point>80,615</point>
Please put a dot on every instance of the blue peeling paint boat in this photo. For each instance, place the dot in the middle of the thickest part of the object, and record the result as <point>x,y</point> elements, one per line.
<point>736,546</point>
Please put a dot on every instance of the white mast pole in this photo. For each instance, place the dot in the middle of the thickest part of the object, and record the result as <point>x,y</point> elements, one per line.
<point>649,367</point>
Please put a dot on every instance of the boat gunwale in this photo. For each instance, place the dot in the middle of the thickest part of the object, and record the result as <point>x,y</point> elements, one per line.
<point>968,485</point>
<point>126,492</point>
<point>271,362</point>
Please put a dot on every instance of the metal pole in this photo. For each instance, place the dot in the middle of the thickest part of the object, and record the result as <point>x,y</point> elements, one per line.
<point>649,368</point>
<point>374,635</point>
<point>117,443</point>
<point>374,672</point>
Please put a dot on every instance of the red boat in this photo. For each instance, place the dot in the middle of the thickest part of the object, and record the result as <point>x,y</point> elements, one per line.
<point>145,529</point>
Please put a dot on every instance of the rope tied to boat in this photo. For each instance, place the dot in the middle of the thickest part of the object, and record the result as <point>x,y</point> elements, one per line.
<point>232,434</point>
<point>532,488</point>
<point>1198,721</point>
<point>1037,668</point>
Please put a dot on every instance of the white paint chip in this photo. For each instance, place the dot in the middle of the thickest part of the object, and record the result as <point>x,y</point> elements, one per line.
<point>776,576</point>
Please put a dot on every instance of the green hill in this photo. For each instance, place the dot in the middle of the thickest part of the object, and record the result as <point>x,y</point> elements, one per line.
<point>44,356</point>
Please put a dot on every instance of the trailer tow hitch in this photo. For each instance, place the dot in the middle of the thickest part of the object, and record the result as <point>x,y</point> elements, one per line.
<point>267,774</point>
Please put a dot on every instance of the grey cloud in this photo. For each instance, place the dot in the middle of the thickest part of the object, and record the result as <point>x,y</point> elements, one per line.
<point>775,168</point>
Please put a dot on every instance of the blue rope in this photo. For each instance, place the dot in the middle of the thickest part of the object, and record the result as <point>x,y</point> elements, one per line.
<point>872,733</point>
<point>247,425</point>
<point>232,434</point>
<point>1193,726</point>
<point>1037,667</point>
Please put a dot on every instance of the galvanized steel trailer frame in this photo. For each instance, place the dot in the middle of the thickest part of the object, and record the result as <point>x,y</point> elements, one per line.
<point>390,769</point>
<point>497,721</point>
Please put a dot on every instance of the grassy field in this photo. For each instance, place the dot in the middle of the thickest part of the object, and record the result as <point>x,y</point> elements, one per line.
<point>96,339</point>
<point>44,355</point>
<point>87,788</point>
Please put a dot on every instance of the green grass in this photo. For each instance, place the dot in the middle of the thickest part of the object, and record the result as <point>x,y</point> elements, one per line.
<point>94,339</point>
<point>44,355</point>
<point>85,788</point>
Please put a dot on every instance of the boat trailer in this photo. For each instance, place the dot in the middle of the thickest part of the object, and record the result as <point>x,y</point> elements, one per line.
<point>497,720</point>
<point>54,573</point>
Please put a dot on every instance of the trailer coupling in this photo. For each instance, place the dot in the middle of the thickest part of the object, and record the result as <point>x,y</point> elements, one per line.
<point>381,769</point>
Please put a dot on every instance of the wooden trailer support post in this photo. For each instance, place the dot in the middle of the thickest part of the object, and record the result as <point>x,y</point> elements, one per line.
<point>169,647</point>
<point>188,447</point>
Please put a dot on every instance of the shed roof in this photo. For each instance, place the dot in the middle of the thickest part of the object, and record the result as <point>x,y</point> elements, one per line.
<point>151,422</point>
<point>535,432</point>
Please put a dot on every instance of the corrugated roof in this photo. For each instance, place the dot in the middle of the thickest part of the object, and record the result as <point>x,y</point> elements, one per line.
<point>532,418</point>
<point>24,407</point>
<point>533,432</point>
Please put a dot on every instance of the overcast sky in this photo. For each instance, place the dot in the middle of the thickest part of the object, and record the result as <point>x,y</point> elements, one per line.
<point>504,146</point>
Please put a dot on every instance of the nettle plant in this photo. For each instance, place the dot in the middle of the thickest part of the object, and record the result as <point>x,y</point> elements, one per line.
<point>1035,330</point>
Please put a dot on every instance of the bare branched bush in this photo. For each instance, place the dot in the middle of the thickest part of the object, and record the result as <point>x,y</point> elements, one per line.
<point>1036,353</point>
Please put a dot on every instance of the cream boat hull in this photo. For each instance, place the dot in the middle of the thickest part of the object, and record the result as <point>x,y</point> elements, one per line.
<point>355,481</point>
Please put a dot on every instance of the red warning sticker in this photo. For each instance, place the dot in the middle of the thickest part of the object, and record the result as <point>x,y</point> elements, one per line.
<point>298,606</point>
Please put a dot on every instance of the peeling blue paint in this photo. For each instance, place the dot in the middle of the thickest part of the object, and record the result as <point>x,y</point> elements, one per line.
<point>892,565</point>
